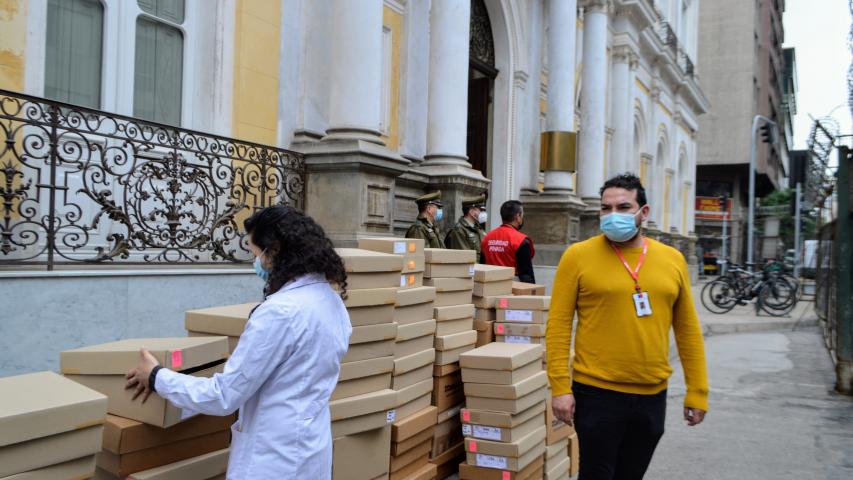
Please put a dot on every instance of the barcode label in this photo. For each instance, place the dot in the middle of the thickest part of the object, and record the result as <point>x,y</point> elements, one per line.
<point>399,247</point>
<point>487,433</point>
<point>466,430</point>
<point>519,315</point>
<point>517,339</point>
<point>391,416</point>
<point>490,461</point>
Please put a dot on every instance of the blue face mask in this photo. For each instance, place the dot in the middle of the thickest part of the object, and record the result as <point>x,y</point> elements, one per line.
<point>619,227</point>
<point>439,214</point>
<point>260,270</point>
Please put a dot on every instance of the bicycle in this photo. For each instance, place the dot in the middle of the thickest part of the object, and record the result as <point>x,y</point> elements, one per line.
<point>769,291</point>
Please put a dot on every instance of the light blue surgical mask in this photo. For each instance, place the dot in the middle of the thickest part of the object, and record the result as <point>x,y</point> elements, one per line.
<point>439,214</point>
<point>619,227</point>
<point>260,270</point>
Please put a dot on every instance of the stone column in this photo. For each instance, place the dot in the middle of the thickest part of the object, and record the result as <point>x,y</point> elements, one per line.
<point>622,110</point>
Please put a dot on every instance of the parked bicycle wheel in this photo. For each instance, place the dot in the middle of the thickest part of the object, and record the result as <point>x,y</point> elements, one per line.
<point>719,296</point>
<point>778,297</point>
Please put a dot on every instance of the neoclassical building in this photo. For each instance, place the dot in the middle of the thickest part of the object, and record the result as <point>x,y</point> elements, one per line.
<point>390,99</point>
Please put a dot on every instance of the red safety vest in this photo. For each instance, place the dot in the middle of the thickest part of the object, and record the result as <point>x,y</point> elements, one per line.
<point>500,245</point>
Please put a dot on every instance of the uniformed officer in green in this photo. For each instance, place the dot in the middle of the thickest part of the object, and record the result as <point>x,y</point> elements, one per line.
<point>467,233</point>
<point>429,212</point>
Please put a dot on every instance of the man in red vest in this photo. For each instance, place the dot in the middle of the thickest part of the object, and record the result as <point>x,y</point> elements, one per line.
<point>507,246</point>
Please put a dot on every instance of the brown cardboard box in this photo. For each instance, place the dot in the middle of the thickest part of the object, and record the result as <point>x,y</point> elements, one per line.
<point>489,289</point>
<point>513,449</point>
<point>413,313</point>
<point>574,454</point>
<point>412,377</point>
<point>445,255</point>
<point>447,435</point>
<point>485,314</point>
<point>513,464</point>
<point>411,456</point>
<point>361,385</point>
<point>457,340</point>
<point>205,466</point>
<point>448,462</point>
<point>412,362</point>
<point>414,263</point>
<point>448,414</point>
<point>393,245</point>
<point>559,471</point>
<point>362,455</point>
<point>232,341</point>
<point>501,377</point>
<point>500,419</point>
<point>363,280</point>
<point>485,333</point>
<point>447,391</point>
<point>406,348</point>
<point>229,321</point>
<point>453,312</point>
<point>459,271</point>
<point>512,391</point>
<point>123,435</point>
<point>444,284</point>
<point>521,288</point>
<point>524,302</point>
<point>373,333</point>
<point>50,450</point>
<point>398,448</point>
<point>520,339</point>
<point>487,302</point>
<point>370,297</point>
<point>407,410</point>
<point>131,462</point>
<point>117,358</point>
<point>357,260</point>
<point>415,330</point>
<point>522,316</point>
<point>557,450</point>
<point>452,356</point>
<point>42,404</point>
<point>511,405</point>
<point>361,413</point>
<point>492,273</point>
<point>427,471</point>
<point>405,472</point>
<point>363,316</point>
<point>411,280</point>
<point>471,472</point>
<point>557,429</point>
<point>365,368</point>
<point>366,351</point>
<point>415,296</point>
<point>452,327</point>
<point>501,434</point>
<point>404,429</point>
<point>413,392</point>
<point>501,356</point>
<point>446,299</point>
<point>447,369</point>
<point>79,468</point>
<point>527,330</point>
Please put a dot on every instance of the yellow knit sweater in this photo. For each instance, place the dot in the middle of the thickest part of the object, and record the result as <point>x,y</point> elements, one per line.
<point>614,348</point>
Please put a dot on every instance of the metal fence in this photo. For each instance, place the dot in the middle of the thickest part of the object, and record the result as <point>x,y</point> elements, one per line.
<point>826,286</point>
<point>84,186</point>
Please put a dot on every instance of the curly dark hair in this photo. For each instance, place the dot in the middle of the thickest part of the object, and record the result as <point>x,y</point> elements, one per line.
<point>295,245</point>
<point>629,182</point>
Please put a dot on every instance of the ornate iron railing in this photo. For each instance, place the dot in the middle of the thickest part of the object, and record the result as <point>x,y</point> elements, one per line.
<point>84,186</point>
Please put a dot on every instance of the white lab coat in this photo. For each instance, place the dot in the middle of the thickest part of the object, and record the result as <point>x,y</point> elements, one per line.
<point>280,377</point>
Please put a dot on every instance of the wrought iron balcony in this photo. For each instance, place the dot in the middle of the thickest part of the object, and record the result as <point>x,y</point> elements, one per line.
<point>84,186</point>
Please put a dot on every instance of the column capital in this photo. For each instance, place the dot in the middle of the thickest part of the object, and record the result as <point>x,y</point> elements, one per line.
<point>599,6</point>
<point>625,54</point>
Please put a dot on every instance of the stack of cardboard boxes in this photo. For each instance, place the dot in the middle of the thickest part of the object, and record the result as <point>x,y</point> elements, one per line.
<point>228,321</point>
<point>411,442</point>
<point>522,319</point>
<point>50,427</point>
<point>521,288</point>
<point>489,282</point>
<point>504,418</point>
<point>150,440</point>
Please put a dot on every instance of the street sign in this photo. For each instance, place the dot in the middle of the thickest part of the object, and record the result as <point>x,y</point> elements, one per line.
<point>709,208</point>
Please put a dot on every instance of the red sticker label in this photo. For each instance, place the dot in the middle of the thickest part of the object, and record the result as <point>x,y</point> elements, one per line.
<point>472,447</point>
<point>500,328</point>
<point>466,416</point>
<point>502,303</point>
<point>506,475</point>
<point>177,359</point>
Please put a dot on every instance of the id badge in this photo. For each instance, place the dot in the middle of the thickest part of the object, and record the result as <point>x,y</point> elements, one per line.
<point>642,304</point>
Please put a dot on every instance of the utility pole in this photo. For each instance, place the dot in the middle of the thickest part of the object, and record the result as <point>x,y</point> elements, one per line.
<point>768,132</point>
<point>725,249</point>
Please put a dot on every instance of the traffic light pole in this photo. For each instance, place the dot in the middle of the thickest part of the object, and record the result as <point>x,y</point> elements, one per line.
<point>751,218</point>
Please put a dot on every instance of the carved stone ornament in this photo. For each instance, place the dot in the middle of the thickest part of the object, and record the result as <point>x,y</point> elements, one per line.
<point>481,43</point>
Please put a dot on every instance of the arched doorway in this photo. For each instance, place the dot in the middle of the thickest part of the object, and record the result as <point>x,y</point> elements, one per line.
<point>481,80</point>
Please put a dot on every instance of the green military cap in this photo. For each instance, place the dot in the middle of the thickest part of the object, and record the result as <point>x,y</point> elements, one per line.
<point>432,197</point>
<point>478,201</point>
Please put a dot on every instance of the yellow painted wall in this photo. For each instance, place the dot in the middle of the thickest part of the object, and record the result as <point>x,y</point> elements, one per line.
<point>644,168</point>
<point>393,21</point>
<point>257,30</point>
<point>685,190</point>
<point>13,35</point>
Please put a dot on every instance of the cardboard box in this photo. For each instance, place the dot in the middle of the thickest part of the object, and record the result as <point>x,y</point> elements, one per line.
<point>427,471</point>
<point>452,356</point>
<point>501,434</point>
<point>501,377</point>
<point>574,455</point>
<point>523,329</point>
<point>411,456</point>
<point>393,245</point>
<point>79,468</point>
<point>485,335</point>
<point>485,314</point>
<point>362,455</point>
<point>117,358</point>
<point>357,260</point>
<point>447,463</point>
<point>501,356</point>
<point>205,466</point>
<point>446,255</point>
<point>447,391</point>
<point>448,434</point>
<point>364,316</point>
<point>492,273</point>
<point>131,462</point>
<point>370,297</point>
<point>362,280</point>
<point>361,385</point>
<point>369,350</point>
<point>408,363</point>
<point>513,391</point>
<point>522,316</point>
<point>404,429</point>
<point>559,471</point>
<point>557,450</point>
<point>521,288</point>
<point>411,280</point>
<point>447,369</point>
<point>366,368</point>
<point>398,448</point>
<point>446,299</point>
<point>511,449</point>
<point>413,313</point>
<point>487,302</point>
<point>373,333</point>
<point>513,464</point>
<point>42,404</point>
<point>453,327</point>
<point>416,464</point>
<point>520,339</point>
<point>353,407</point>
<point>530,472</point>
<point>415,296</point>
<point>448,271</point>
<point>406,348</point>
<point>361,423</point>
<point>123,435</point>
<point>232,341</point>
<point>415,330</point>
<point>448,414</point>
<point>46,451</point>
<point>414,263</point>
<point>524,302</point>
<point>407,410</point>
<point>457,340</point>
<point>412,377</point>
<point>229,321</point>
<point>558,431</point>
<point>453,312</point>
<point>443,285</point>
<point>489,289</point>
<point>500,419</point>
<point>413,392</point>
<point>510,405</point>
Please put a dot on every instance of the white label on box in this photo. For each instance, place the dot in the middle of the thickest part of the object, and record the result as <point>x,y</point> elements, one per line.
<point>399,247</point>
<point>471,270</point>
<point>490,461</point>
<point>517,339</point>
<point>391,416</point>
<point>402,281</point>
<point>466,430</point>
<point>519,315</point>
<point>487,433</point>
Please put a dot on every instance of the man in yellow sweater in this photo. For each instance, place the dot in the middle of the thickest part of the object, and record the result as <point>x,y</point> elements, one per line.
<point>628,291</point>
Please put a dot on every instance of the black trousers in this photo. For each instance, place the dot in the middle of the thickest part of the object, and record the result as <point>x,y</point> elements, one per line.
<point>617,432</point>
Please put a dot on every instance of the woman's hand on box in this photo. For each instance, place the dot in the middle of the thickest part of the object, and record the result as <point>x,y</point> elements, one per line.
<point>138,377</point>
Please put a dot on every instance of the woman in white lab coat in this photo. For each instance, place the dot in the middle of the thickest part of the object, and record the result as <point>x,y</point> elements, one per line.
<point>287,361</point>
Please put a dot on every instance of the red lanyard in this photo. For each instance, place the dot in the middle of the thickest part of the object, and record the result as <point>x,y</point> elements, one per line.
<point>635,274</point>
